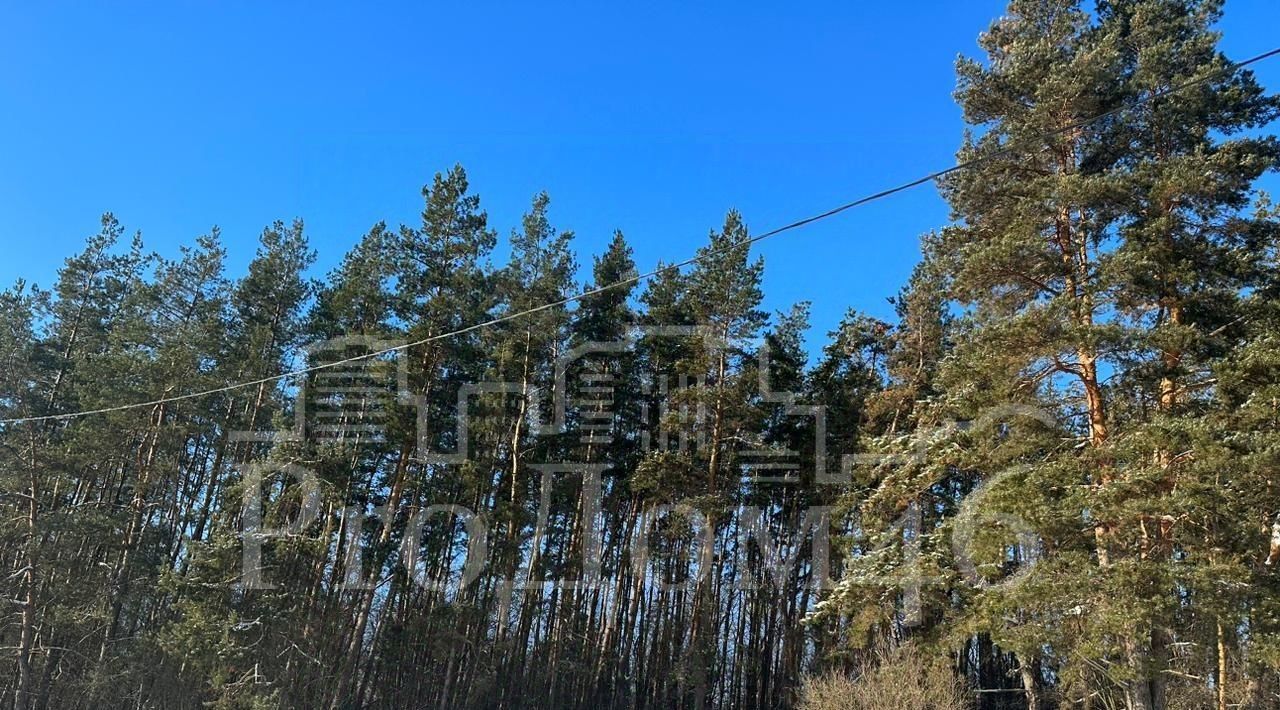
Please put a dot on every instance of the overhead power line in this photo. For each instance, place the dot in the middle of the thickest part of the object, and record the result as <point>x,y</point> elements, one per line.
<point>637,278</point>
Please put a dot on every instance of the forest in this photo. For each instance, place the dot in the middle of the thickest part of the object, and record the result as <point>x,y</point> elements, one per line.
<point>465,470</point>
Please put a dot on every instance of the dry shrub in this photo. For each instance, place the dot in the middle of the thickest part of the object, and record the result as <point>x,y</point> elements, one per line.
<point>902,678</point>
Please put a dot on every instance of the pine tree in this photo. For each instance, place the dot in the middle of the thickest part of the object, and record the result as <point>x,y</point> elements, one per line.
<point>1188,256</point>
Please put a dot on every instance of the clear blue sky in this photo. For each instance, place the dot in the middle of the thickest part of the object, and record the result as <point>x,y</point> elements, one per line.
<point>653,118</point>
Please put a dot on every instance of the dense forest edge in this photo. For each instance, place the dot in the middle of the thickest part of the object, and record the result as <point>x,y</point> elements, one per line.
<point>1051,481</point>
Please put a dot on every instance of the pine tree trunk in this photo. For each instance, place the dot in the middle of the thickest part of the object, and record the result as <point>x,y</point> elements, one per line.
<point>133,533</point>
<point>1221,681</point>
<point>1140,694</point>
<point>1029,670</point>
<point>26,638</point>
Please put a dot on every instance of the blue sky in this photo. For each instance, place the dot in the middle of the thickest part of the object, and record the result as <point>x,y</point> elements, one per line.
<point>653,118</point>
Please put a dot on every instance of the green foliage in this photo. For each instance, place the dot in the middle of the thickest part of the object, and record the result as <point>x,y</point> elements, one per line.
<point>1058,462</point>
